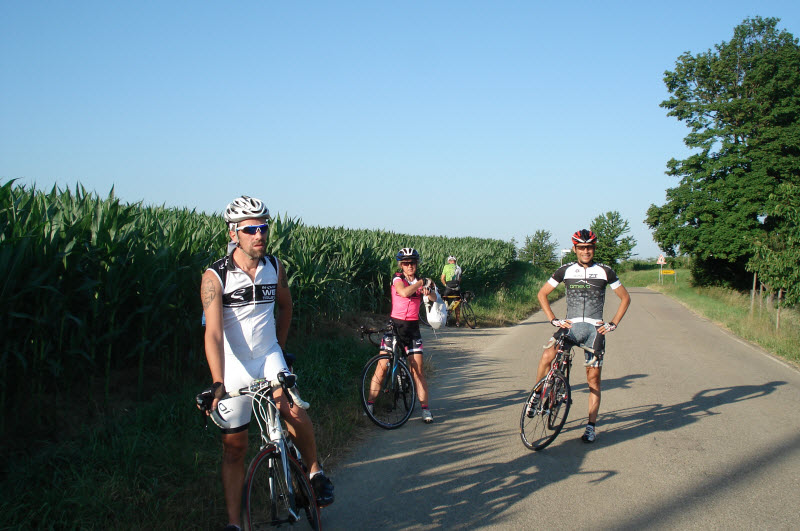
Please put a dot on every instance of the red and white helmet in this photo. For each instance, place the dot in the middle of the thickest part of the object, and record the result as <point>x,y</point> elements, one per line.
<point>584,236</point>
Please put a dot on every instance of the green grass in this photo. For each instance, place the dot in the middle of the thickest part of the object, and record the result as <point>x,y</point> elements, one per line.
<point>731,310</point>
<point>152,465</point>
<point>516,298</point>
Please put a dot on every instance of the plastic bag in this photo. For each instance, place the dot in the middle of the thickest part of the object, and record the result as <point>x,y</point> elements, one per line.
<point>435,309</point>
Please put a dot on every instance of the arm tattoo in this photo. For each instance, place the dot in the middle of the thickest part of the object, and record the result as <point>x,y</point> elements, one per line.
<point>207,293</point>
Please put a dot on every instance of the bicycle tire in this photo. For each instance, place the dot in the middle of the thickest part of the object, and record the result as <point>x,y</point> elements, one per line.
<point>266,500</point>
<point>468,314</point>
<point>541,427</point>
<point>394,403</point>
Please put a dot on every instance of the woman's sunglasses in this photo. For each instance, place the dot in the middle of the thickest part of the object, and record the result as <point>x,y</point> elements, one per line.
<point>252,229</point>
<point>408,263</point>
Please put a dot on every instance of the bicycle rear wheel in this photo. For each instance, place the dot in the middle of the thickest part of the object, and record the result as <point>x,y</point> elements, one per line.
<point>393,398</point>
<point>543,416</point>
<point>468,314</point>
<point>266,499</point>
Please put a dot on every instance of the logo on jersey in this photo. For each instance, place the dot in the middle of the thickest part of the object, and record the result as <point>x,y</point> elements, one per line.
<point>260,294</point>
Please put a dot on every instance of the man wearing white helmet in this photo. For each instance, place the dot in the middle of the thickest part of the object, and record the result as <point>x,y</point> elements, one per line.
<point>451,278</point>
<point>244,340</point>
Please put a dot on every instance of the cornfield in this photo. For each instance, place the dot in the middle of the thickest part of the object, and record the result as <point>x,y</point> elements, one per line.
<point>99,294</point>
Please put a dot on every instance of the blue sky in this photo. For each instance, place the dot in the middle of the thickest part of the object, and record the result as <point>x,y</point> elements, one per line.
<point>489,119</point>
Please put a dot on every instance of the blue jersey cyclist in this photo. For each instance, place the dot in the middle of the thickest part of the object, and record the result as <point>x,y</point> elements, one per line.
<point>585,282</point>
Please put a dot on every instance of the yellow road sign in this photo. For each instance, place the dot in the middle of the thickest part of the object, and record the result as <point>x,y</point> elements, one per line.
<point>667,271</point>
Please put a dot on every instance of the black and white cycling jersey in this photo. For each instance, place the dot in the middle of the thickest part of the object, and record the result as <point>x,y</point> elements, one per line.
<point>586,290</point>
<point>248,307</point>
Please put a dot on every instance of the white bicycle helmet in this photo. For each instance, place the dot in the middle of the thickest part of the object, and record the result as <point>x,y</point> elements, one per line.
<point>245,207</point>
<point>453,258</point>
<point>224,414</point>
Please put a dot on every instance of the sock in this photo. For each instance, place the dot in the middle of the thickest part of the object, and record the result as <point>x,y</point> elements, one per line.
<point>590,424</point>
<point>320,471</point>
<point>424,406</point>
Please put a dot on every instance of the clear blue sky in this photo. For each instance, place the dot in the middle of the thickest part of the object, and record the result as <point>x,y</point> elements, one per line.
<point>491,119</point>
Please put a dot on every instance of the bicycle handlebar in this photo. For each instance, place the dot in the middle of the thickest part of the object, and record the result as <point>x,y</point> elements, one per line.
<point>285,381</point>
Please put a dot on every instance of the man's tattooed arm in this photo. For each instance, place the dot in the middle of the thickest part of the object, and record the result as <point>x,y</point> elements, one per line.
<point>207,292</point>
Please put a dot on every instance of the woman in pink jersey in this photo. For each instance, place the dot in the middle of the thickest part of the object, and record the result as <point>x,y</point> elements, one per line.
<point>407,291</point>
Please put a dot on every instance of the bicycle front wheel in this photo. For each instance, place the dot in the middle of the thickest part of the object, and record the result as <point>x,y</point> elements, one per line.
<point>267,501</point>
<point>468,314</point>
<point>391,398</point>
<point>543,416</point>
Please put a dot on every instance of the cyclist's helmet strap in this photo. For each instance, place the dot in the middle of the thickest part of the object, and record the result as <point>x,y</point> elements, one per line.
<point>407,253</point>
<point>584,236</point>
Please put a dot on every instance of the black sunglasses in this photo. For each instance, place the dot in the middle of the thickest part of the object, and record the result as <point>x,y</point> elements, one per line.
<point>252,229</point>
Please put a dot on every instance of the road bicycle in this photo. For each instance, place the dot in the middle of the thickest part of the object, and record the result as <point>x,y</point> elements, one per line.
<point>462,299</point>
<point>545,410</point>
<point>387,389</point>
<point>277,490</point>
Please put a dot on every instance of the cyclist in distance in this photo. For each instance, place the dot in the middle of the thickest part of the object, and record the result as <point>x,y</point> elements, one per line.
<point>244,340</point>
<point>585,282</point>
<point>407,291</point>
<point>451,278</point>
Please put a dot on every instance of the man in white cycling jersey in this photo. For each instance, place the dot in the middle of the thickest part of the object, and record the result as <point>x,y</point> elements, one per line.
<point>585,282</point>
<point>244,340</point>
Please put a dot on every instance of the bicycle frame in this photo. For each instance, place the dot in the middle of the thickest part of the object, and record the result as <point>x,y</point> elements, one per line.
<point>561,364</point>
<point>268,418</point>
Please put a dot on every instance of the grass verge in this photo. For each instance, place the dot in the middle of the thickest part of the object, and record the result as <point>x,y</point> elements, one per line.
<point>516,299</point>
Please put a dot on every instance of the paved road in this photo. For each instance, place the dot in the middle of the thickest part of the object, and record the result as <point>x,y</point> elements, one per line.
<point>697,430</point>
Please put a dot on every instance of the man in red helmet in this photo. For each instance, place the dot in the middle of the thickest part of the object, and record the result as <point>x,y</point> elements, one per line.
<point>585,282</point>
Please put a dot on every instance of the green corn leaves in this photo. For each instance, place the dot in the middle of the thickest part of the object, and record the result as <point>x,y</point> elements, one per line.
<point>93,287</point>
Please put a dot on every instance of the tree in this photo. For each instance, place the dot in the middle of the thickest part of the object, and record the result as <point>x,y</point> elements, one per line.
<point>540,249</point>
<point>741,103</point>
<point>612,244</point>
<point>777,256</point>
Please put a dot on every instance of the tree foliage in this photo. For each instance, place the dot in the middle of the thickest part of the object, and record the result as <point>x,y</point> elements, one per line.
<point>540,249</point>
<point>741,102</point>
<point>613,246</point>
<point>777,256</point>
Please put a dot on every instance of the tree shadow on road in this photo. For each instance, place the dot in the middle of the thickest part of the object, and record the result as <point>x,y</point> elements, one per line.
<point>451,474</point>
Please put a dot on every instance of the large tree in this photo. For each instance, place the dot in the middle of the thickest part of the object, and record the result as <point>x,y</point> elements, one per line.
<point>540,249</point>
<point>613,246</point>
<point>741,102</point>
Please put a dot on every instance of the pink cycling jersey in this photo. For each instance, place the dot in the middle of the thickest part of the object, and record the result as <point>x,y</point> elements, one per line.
<point>405,308</point>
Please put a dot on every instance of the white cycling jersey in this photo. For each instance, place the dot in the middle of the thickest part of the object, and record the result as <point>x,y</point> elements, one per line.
<point>248,308</point>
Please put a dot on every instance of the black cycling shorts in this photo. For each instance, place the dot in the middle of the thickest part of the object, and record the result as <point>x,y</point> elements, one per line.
<point>407,333</point>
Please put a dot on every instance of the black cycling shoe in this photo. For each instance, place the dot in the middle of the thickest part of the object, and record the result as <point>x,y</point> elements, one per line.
<point>323,488</point>
<point>232,527</point>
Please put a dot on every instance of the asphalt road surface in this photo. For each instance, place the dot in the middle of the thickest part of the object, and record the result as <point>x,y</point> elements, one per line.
<point>697,430</point>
